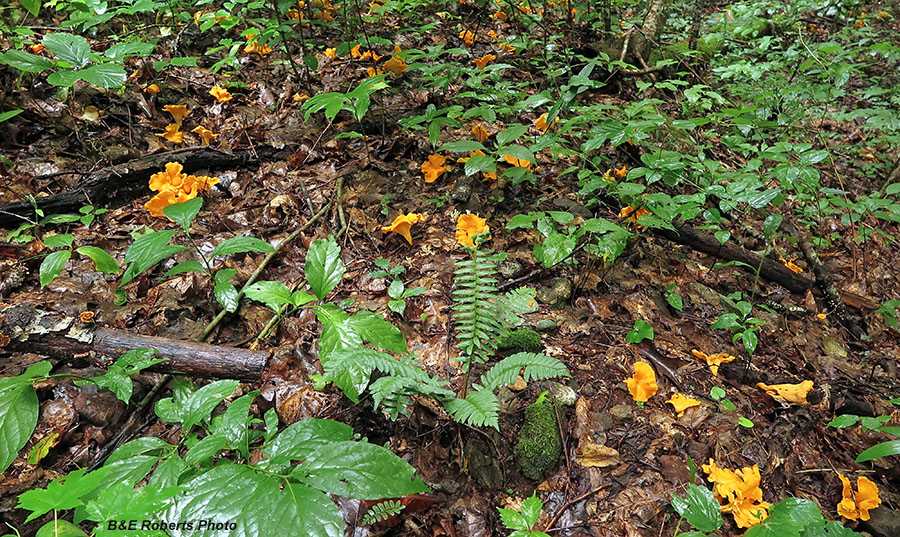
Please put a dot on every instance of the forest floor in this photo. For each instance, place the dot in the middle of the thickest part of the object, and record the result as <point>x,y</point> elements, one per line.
<point>624,489</point>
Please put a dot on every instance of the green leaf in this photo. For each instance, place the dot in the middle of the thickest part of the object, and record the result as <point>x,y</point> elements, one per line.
<point>359,470</point>
<point>380,333</point>
<point>237,245</point>
<point>60,527</point>
<point>537,367</point>
<point>18,411</point>
<point>103,262</point>
<point>480,163</point>
<point>147,251</point>
<point>117,379</point>
<point>121,502</point>
<point>10,113</point>
<point>120,51</point>
<point>25,61</point>
<point>884,449</point>
<point>642,330</point>
<point>272,294</point>
<point>61,240</point>
<point>197,406</point>
<point>479,408</point>
<point>300,439</point>
<point>33,7</point>
<point>675,301</point>
<point>224,275</point>
<point>324,268</point>
<point>395,290</point>
<point>258,504</point>
<point>191,265</point>
<point>72,49</point>
<point>513,132</point>
<point>844,421</point>
<point>518,152</point>
<point>62,493</point>
<point>227,296</point>
<point>700,508</point>
<point>236,423</point>
<point>463,146</point>
<point>513,519</point>
<point>531,510</point>
<point>52,265</point>
<point>787,518</point>
<point>64,77</point>
<point>397,306</point>
<point>183,213</point>
<point>106,75</point>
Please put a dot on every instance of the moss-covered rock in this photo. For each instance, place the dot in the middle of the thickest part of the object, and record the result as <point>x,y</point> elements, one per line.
<point>539,445</point>
<point>524,340</point>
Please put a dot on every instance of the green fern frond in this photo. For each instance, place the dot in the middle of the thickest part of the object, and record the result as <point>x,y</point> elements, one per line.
<point>382,511</point>
<point>351,369</point>
<point>515,303</point>
<point>477,409</point>
<point>537,367</point>
<point>477,311</point>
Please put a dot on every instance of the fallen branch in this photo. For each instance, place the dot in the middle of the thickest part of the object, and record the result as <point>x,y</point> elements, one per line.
<point>67,338</point>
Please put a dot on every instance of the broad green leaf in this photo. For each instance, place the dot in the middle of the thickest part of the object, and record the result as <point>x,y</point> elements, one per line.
<point>117,379</point>
<point>52,265</point>
<point>512,133</point>
<point>120,51</point>
<point>270,293</point>
<point>25,61</point>
<point>518,152</point>
<point>259,504</point>
<point>463,146</point>
<point>337,331</point>
<point>62,493</point>
<point>205,449</point>
<point>237,245</point>
<point>191,265</point>
<point>72,49</point>
<point>236,423</point>
<point>33,7</point>
<point>324,268</point>
<point>61,240</point>
<point>18,412</point>
<point>147,251</point>
<point>196,407</point>
<point>359,470</point>
<point>224,275</point>
<point>480,163</point>
<point>103,262</point>
<point>380,333</point>
<point>60,528</point>
<point>64,77</point>
<point>183,213</point>
<point>531,509</point>
<point>227,296</point>
<point>105,75</point>
<point>642,330</point>
<point>300,439</point>
<point>524,221</point>
<point>121,502</point>
<point>301,297</point>
<point>700,508</point>
<point>787,518</point>
<point>884,449</point>
<point>843,421</point>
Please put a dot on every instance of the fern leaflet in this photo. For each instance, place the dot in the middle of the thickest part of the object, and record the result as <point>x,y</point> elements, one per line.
<point>382,511</point>
<point>537,367</point>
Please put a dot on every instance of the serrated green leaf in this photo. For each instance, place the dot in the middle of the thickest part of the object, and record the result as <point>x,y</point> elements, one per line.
<point>258,504</point>
<point>531,510</point>
<point>52,265</point>
<point>359,470</point>
<point>300,439</point>
<point>270,293</point>
<point>380,333</point>
<point>62,493</point>
<point>324,268</point>
<point>236,423</point>
<point>183,213</point>
<point>237,245</point>
<point>197,406</point>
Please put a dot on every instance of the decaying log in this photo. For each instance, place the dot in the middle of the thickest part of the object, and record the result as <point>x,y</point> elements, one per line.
<point>67,338</point>
<point>124,182</point>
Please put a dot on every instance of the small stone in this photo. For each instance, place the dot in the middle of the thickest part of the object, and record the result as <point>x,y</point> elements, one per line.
<point>557,294</point>
<point>518,385</point>
<point>833,348</point>
<point>510,268</point>
<point>545,325</point>
<point>621,413</point>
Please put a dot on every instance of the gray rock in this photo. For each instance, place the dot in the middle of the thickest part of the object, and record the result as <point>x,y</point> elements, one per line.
<point>557,294</point>
<point>483,466</point>
<point>885,522</point>
<point>621,413</point>
<point>562,394</point>
<point>461,192</point>
<point>545,325</point>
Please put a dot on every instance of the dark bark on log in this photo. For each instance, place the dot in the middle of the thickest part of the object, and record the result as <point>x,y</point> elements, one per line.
<point>124,182</point>
<point>67,338</point>
<point>703,242</point>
